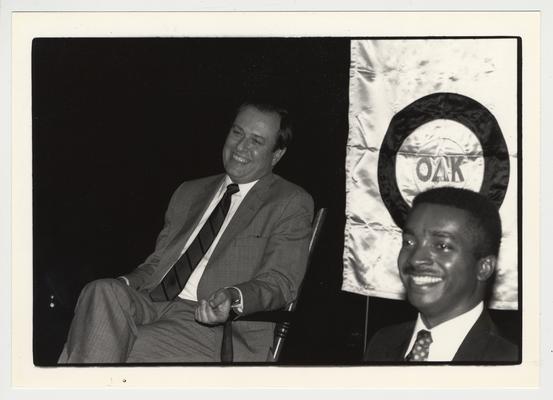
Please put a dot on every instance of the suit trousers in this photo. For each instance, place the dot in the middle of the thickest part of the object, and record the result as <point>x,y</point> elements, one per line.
<point>114,323</point>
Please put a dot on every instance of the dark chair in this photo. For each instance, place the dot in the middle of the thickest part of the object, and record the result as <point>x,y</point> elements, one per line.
<point>284,317</point>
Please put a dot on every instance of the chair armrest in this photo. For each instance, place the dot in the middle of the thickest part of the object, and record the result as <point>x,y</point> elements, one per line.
<point>282,318</point>
<point>276,316</point>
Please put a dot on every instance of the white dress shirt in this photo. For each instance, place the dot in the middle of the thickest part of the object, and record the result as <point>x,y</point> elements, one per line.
<point>448,336</point>
<point>190,290</point>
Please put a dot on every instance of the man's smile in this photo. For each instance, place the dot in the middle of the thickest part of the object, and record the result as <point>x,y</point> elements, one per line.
<point>239,159</point>
<point>424,280</point>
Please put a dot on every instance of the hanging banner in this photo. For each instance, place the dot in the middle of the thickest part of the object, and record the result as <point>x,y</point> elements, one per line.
<point>426,113</point>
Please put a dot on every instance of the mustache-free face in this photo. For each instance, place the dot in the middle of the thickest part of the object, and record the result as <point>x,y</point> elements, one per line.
<point>249,152</point>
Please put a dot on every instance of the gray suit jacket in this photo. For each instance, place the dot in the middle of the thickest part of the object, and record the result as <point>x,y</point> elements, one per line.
<point>483,343</point>
<point>263,251</point>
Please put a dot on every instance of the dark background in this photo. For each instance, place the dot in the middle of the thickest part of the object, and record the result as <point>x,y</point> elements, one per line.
<point>118,124</point>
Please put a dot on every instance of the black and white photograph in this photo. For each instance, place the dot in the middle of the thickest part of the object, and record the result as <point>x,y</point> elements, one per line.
<point>362,127</point>
<point>333,200</point>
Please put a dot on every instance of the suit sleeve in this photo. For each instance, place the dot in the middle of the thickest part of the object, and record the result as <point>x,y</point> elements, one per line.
<point>285,258</point>
<point>138,277</point>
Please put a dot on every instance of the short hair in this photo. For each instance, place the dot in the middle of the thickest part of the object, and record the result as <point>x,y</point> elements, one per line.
<point>285,130</point>
<point>486,222</point>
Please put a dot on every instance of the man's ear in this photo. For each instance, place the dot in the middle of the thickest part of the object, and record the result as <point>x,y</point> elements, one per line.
<point>486,267</point>
<point>277,155</point>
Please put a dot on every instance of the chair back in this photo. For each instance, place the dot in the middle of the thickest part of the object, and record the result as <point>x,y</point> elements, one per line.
<point>281,328</point>
<point>282,317</point>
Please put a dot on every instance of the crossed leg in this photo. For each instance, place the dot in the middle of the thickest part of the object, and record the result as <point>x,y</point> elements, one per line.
<point>114,323</point>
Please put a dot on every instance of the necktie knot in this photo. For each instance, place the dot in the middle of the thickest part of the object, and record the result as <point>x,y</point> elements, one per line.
<point>232,188</point>
<point>424,336</point>
<point>420,349</point>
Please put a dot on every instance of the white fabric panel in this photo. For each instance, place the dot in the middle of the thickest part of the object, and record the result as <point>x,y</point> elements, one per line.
<point>385,77</point>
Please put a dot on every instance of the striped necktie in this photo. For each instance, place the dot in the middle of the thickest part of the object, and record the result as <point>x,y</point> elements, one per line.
<point>175,280</point>
<point>420,349</point>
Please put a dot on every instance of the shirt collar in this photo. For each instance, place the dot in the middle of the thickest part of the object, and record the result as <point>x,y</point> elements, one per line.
<point>466,319</point>
<point>244,187</point>
<point>448,336</point>
<point>453,330</point>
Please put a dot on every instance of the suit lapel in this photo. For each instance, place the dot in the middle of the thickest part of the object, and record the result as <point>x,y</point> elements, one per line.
<point>390,344</point>
<point>198,206</point>
<point>397,351</point>
<point>474,344</point>
<point>253,201</point>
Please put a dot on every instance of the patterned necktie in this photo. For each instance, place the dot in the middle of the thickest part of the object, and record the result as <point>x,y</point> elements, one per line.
<point>175,280</point>
<point>419,352</point>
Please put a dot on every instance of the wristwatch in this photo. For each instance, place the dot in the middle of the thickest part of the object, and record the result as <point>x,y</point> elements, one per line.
<point>234,296</point>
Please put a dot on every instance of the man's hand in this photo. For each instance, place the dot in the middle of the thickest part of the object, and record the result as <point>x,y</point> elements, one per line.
<point>216,309</point>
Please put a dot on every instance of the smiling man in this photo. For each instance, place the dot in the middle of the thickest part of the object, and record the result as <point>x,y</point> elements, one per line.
<point>236,241</point>
<point>447,261</point>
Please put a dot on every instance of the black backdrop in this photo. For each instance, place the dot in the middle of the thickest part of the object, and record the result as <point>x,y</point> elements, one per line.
<point>119,123</point>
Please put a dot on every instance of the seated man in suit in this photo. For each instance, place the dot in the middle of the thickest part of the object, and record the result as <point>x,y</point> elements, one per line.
<point>231,242</point>
<point>448,257</point>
